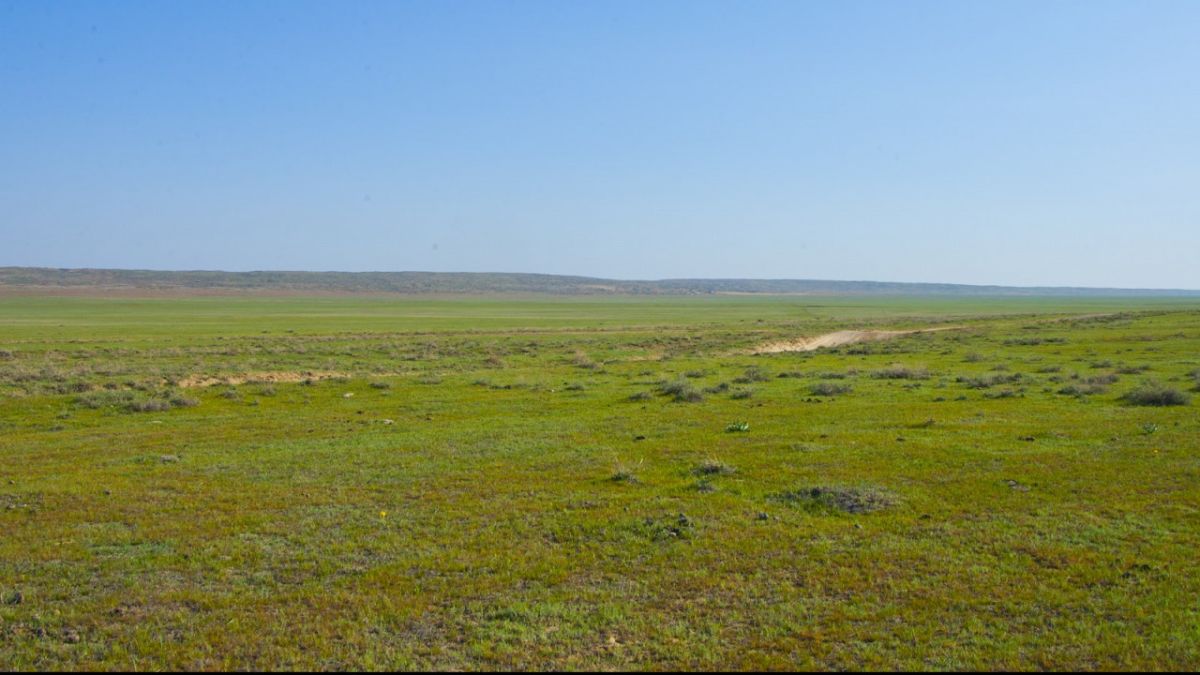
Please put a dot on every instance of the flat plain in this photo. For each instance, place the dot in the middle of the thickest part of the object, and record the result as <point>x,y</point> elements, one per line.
<point>598,483</point>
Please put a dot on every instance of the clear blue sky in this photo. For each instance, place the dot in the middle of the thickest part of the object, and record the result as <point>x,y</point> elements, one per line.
<point>1002,142</point>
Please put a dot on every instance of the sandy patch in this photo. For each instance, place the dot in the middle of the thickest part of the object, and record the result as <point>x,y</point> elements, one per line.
<point>258,377</point>
<point>838,339</point>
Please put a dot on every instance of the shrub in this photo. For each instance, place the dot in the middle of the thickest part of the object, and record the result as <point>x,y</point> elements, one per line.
<point>131,402</point>
<point>713,467</point>
<point>667,528</point>
<point>1031,341</point>
<point>149,405</point>
<point>736,427</point>
<point>752,374</point>
<point>846,499</point>
<point>1082,390</point>
<point>582,360</point>
<point>101,399</point>
<point>181,401</point>
<point>625,474</point>
<point>986,381</point>
<point>1156,394</point>
<point>829,389</point>
<point>640,396</point>
<point>899,372</point>
<point>683,391</point>
<point>834,375</point>
<point>742,394</point>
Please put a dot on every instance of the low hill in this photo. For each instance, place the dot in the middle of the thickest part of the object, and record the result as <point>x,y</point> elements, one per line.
<point>52,279</point>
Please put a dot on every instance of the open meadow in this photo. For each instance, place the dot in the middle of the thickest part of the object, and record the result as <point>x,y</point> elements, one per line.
<point>541,482</point>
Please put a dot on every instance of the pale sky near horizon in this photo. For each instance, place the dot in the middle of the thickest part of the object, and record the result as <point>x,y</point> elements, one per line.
<point>1021,143</point>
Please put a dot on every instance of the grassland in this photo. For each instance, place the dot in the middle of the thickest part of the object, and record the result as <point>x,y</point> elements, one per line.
<point>597,483</point>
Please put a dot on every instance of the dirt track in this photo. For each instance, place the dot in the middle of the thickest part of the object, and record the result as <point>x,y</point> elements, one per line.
<point>838,339</point>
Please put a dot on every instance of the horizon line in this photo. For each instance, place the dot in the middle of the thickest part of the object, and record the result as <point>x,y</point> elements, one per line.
<point>593,278</point>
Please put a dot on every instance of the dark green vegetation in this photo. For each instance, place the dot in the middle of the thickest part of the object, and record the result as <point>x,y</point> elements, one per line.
<point>463,282</point>
<point>597,483</point>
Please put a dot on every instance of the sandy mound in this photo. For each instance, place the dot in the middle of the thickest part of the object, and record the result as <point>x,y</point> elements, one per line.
<point>838,339</point>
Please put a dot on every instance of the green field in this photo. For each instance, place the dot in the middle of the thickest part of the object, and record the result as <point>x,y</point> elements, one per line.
<point>598,483</point>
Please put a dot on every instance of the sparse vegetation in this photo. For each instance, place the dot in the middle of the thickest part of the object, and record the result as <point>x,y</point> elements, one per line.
<point>475,516</point>
<point>852,500</point>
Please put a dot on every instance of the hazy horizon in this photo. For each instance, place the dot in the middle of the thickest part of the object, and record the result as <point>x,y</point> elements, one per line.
<point>646,280</point>
<point>1016,144</point>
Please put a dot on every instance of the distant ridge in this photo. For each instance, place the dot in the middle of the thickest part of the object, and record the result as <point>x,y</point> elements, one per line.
<point>35,278</point>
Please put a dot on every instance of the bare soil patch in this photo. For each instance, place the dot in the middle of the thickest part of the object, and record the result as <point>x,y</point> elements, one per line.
<point>839,339</point>
<point>275,377</point>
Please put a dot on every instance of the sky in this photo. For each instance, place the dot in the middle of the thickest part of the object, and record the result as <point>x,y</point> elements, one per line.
<point>1019,143</point>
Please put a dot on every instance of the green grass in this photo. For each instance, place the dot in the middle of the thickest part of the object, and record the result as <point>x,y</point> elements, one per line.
<point>478,483</point>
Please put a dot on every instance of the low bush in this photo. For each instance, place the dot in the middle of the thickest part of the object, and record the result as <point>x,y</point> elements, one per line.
<point>900,372</point>
<point>1155,394</point>
<point>986,381</point>
<point>752,374</point>
<point>682,391</point>
<point>829,389</point>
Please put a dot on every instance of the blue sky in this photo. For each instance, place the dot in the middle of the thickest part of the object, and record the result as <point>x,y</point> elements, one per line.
<point>1004,142</point>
